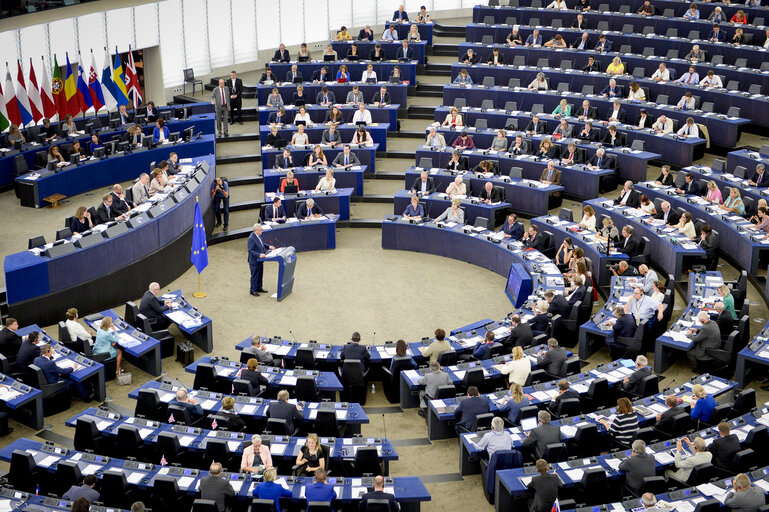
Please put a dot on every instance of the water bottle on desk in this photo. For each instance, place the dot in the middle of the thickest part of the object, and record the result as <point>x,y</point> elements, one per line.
<point>373,389</point>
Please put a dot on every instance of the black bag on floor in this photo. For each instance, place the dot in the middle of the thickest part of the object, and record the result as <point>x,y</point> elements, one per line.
<point>185,354</point>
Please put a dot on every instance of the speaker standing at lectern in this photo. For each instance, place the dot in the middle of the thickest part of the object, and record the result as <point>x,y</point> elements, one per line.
<point>256,251</point>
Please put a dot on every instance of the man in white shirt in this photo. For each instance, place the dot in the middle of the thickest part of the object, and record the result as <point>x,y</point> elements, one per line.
<point>390,34</point>
<point>362,115</point>
<point>689,129</point>
<point>662,74</point>
<point>663,125</point>
<point>650,277</point>
<point>685,465</point>
<point>712,80</point>
<point>690,77</point>
<point>616,115</point>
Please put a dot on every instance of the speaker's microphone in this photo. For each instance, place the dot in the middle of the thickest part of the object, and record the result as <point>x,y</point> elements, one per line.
<point>292,335</point>
<point>374,341</point>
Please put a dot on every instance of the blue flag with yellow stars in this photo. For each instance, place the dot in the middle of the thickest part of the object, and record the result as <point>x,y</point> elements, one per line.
<point>199,252</point>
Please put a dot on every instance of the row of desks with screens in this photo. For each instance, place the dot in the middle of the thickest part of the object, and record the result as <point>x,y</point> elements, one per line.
<point>397,91</point>
<point>308,177</point>
<point>319,113</point>
<point>383,70</point>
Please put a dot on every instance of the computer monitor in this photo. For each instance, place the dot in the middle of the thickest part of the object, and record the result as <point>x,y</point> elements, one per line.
<point>188,133</point>
<point>51,165</point>
<point>303,59</point>
<point>114,123</point>
<point>290,189</point>
<point>109,147</point>
<point>329,58</point>
<point>141,111</point>
<point>395,79</point>
<point>140,118</point>
<point>300,123</point>
<point>99,153</point>
<point>173,137</point>
<point>89,127</point>
<point>165,115</point>
<point>147,141</point>
<point>123,146</point>
<point>371,80</point>
<point>74,158</point>
<point>518,287</point>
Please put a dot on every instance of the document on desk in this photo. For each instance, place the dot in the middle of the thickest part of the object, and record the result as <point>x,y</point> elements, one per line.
<point>679,336</point>
<point>438,403</point>
<point>762,484</point>
<point>9,394</point>
<point>658,408</point>
<point>341,414</point>
<point>46,462</point>
<point>134,477</point>
<point>568,431</point>
<point>411,375</point>
<point>208,404</point>
<point>613,463</point>
<point>91,469</point>
<point>278,448</point>
<point>63,362</point>
<point>575,474</point>
<point>664,457</point>
<point>185,482</point>
<point>525,480</point>
<point>288,380</point>
<point>178,317</point>
<point>460,374</point>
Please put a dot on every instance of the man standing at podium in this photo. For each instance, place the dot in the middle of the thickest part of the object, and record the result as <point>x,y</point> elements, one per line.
<point>256,251</point>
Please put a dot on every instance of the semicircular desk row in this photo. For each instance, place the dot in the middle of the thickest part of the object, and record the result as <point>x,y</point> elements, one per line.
<point>193,111</point>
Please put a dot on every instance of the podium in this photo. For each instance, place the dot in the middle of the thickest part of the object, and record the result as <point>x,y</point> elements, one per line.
<point>286,258</point>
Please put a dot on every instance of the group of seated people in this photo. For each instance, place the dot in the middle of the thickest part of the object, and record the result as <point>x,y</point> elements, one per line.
<point>114,205</point>
<point>323,75</point>
<point>327,98</point>
<point>330,137</point>
<point>344,160</point>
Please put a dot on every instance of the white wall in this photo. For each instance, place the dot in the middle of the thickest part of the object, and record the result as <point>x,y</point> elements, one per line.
<point>210,36</point>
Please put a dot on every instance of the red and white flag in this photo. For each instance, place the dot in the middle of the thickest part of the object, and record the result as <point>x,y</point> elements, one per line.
<point>46,96</point>
<point>132,80</point>
<point>33,92</point>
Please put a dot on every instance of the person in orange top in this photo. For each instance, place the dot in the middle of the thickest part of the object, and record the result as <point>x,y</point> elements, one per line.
<point>288,180</point>
<point>739,18</point>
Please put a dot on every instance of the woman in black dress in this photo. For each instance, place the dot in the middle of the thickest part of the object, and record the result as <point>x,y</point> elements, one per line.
<point>311,457</point>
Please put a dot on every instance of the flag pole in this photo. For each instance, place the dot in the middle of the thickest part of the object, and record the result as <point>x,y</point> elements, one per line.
<point>198,294</point>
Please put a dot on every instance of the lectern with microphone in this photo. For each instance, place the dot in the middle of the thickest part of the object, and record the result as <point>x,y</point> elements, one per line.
<point>286,258</point>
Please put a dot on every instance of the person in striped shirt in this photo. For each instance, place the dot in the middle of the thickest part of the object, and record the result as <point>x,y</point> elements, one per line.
<point>625,425</point>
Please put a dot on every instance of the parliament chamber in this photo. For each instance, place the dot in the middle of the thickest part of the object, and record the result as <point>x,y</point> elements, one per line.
<point>505,255</point>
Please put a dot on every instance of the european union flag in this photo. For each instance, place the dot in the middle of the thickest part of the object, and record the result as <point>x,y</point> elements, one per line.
<point>199,252</point>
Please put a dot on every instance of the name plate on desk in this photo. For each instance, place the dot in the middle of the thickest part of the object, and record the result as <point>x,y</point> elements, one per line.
<point>138,220</point>
<point>59,250</point>
<point>117,229</point>
<point>161,208</point>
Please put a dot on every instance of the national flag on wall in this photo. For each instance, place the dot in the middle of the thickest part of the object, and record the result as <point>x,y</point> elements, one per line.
<point>121,95</point>
<point>70,91</point>
<point>132,80</point>
<point>199,252</point>
<point>33,91</point>
<point>9,97</point>
<point>57,89</point>
<point>21,97</point>
<point>107,85</point>
<point>94,87</point>
<point>84,94</point>
<point>4,122</point>
<point>49,107</point>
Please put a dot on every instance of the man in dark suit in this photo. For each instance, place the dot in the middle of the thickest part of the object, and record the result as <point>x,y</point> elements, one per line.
<point>284,160</point>
<point>583,43</point>
<point>534,240</point>
<point>724,320</point>
<point>709,243</point>
<point>546,486</point>
<point>558,304</point>
<point>86,490</point>
<point>627,244</point>
<point>28,351</point>
<point>124,116</point>
<point>603,44</point>
<point>708,336</point>
<point>10,342</point>
<point>612,90</point>
<point>294,75</point>
<point>236,101</point>
<point>520,333</point>
<point>490,194</point>
<point>633,382</point>
<point>215,488</point>
<point>366,34</point>
<point>187,402</point>
<point>278,117</point>
<point>256,251</point>
<point>622,327</point>
<point>717,35</point>
<point>628,196</point>
<point>377,53</point>
<point>281,54</point>
<point>382,97</point>
<point>400,15</point>
<point>667,214</point>
<point>404,53</point>
<point>153,308</point>
<point>580,23</point>
<point>521,146</point>
<point>354,350</point>
<point>592,65</point>
<point>570,155</point>
<point>665,421</point>
<point>552,360</point>
<point>268,76</point>
<point>119,204</point>
<point>309,209</point>
<point>53,372</point>
<point>282,410</point>
<point>512,228</point>
<point>538,438</point>
<point>535,126</point>
<point>423,185</point>
<point>346,158</point>
<point>469,409</point>
<point>564,392</point>
<point>725,447</point>
<point>638,466</point>
<point>321,75</point>
<point>759,179</point>
<point>275,212</point>
<point>586,111</point>
<point>688,186</point>
<point>613,138</point>
<point>379,494</point>
<point>578,294</point>
<point>105,212</point>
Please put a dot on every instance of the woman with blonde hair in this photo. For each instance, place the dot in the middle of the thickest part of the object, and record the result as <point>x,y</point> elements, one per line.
<point>702,403</point>
<point>714,193</point>
<point>269,490</point>
<point>289,180</point>
<point>518,369</point>
<point>733,203</point>
<point>513,402</point>
<point>327,182</point>
<point>616,67</point>
<point>311,456</point>
<point>453,118</point>
<point>453,213</point>
<point>317,157</point>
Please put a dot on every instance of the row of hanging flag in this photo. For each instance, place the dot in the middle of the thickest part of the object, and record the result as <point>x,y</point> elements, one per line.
<point>28,100</point>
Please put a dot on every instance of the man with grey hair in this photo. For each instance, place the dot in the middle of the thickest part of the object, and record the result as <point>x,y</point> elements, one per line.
<point>497,439</point>
<point>220,99</point>
<point>138,506</point>
<point>539,437</point>
<point>684,465</point>
<point>724,319</point>
<point>650,277</point>
<point>744,497</point>
<point>649,501</point>
<point>637,467</point>
<point>141,192</point>
<point>153,308</point>
<point>431,381</point>
<point>667,214</point>
<point>256,252</point>
<point>259,351</point>
<point>184,400</point>
<point>216,488</point>
<point>708,336</point>
<point>552,360</point>
<point>633,383</point>
<point>309,210</point>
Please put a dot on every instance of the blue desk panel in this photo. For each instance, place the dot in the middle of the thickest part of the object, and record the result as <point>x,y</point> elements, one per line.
<point>425,30</point>
<point>753,360</point>
<point>141,350</point>
<point>437,203</point>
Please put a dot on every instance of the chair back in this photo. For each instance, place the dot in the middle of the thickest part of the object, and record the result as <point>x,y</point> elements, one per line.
<point>367,462</point>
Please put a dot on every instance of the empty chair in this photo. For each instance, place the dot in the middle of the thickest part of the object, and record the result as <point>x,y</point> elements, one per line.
<point>488,20</point>
<point>277,427</point>
<point>204,506</point>
<point>259,505</point>
<point>626,48</point>
<point>648,52</point>
<point>637,145</point>
<point>543,63</point>
<point>733,112</point>
<point>555,452</point>
<point>717,59</point>
<point>487,104</point>
<point>604,7</point>
<point>307,389</point>
<point>672,53</point>
<point>707,106</point>
<point>488,81</point>
<point>519,60</point>
<point>588,89</point>
<point>516,172</point>
<point>662,99</point>
<point>538,108</point>
<point>603,26</point>
<point>367,462</point>
<point>487,39</point>
<point>426,163</point>
<point>165,493</point>
<point>741,171</point>
<point>88,437</point>
<point>694,35</point>
<point>741,62</point>
<point>624,8</point>
<point>35,241</point>
<point>733,85</point>
<point>115,490</point>
<point>669,13</point>
<point>534,22</point>
<point>556,23</point>
<point>24,474</point>
<point>460,102</point>
<point>566,64</point>
<point>671,32</point>
<point>481,124</point>
<point>566,214</point>
<point>562,87</point>
<point>754,89</point>
<point>592,487</point>
<point>512,84</point>
<point>639,72</point>
<point>305,357</point>
<point>511,20</point>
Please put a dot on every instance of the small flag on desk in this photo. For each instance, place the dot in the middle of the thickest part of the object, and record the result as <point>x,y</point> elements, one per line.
<point>171,419</point>
<point>214,424</point>
<point>199,252</point>
<point>556,506</point>
<point>163,461</point>
<point>37,490</point>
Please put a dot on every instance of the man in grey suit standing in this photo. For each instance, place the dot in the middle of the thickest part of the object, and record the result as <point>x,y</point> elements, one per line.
<point>216,488</point>
<point>220,97</point>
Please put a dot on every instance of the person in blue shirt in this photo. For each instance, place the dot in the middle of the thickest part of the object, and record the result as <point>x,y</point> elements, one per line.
<point>463,78</point>
<point>469,409</point>
<point>53,372</point>
<point>414,211</point>
<point>160,132</point>
<point>513,403</point>
<point>107,342</point>
<point>702,403</point>
<point>269,490</point>
<point>95,143</point>
<point>319,490</point>
<point>401,351</point>
<point>481,350</point>
<point>512,228</point>
<point>189,403</point>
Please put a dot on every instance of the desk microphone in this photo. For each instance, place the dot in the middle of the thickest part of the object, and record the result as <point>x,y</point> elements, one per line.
<point>384,428</point>
<point>292,335</point>
<point>374,341</point>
